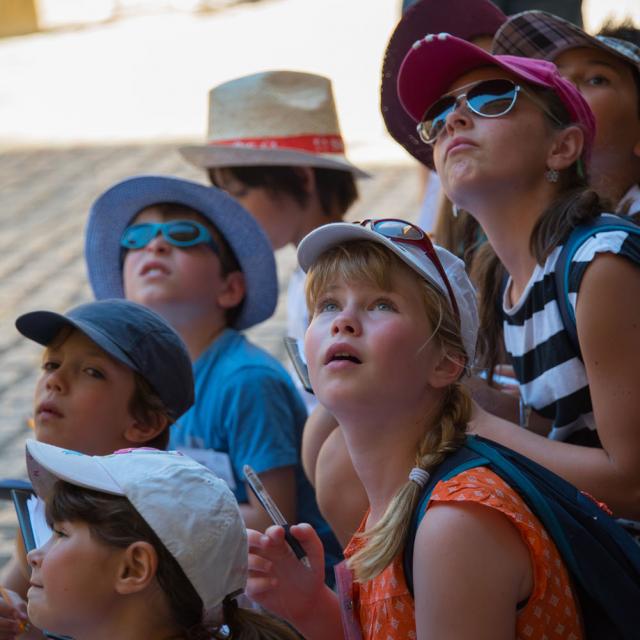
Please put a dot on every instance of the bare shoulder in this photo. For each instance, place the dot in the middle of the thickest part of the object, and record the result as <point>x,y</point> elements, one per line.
<point>471,554</point>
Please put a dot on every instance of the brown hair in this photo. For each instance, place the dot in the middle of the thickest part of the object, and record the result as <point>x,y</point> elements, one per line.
<point>114,522</point>
<point>366,261</point>
<point>575,204</point>
<point>146,406</point>
<point>457,231</point>
<point>336,188</point>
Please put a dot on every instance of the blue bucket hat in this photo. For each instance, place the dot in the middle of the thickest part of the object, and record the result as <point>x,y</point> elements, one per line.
<point>114,210</point>
<point>132,334</point>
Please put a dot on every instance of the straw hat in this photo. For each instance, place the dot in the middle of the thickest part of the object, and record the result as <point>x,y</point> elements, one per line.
<point>284,118</point>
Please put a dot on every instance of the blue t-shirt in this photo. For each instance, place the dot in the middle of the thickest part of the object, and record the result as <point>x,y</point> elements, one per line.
<point>248,408</point>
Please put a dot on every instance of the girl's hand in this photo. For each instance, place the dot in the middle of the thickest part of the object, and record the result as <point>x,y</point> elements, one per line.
<point>13,615</point>
<point>278,580</point>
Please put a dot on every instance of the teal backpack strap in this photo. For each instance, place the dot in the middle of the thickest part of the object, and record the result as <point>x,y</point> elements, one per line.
<point>520,483</point>
<point>577,237</point>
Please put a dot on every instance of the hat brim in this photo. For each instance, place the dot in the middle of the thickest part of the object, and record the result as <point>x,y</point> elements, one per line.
<point>114,210</point>
<point>43,326</point>
<point>47,464</point>
<point>212,156</point>
<point>324,238</point>
<point>327,236</point>
<point>538,34</point>
<point>465,19</point>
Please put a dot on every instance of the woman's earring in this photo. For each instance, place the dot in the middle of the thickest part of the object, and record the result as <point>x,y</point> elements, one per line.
<point>454,210</point>
<point>552,175</point>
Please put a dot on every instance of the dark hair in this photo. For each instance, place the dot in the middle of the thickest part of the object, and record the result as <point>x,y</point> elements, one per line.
<point>575,204</point>
<point>146,406</point>
<point>625,30</point>
<point>336,188</point>
<point>457,231</point>
<point>114,522</point>
<point>228,261</point>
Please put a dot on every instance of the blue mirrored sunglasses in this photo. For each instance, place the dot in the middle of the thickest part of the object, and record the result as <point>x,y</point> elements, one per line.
<point>179,233</point>
<point>487,99</point>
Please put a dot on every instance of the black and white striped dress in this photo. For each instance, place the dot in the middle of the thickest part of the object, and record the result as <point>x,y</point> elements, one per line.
<point>552,377</point>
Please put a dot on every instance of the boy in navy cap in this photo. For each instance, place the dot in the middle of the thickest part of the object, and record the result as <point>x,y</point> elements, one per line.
<point>114,376</point>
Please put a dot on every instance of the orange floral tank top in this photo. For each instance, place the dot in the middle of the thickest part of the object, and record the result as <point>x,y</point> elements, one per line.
<point>384,607</point>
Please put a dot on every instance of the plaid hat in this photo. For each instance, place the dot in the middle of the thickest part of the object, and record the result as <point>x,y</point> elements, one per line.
<point>538,34</point>
<point>434,62</point>
<point>314,244</point>
<point>114,210</point>
<point>132,334</point>
<point>466,19</point>
<point>189,508</point>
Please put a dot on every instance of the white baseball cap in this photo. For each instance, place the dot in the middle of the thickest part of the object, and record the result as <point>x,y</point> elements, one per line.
<point>190,509</point>
<point>314,244</point>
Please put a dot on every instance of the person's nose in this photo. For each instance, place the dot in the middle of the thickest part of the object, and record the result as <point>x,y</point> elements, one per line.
<point>459,117</point>
<point>158,244</point>
<point>346,322</point>
<point>34,557</point>
<point>57,380</point>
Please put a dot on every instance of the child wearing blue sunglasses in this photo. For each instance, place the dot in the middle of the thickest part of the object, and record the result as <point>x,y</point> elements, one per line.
<point>194,255</point>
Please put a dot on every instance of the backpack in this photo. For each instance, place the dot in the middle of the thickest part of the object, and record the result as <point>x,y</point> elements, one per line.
<point>578,236</point>
<point>603,561</point>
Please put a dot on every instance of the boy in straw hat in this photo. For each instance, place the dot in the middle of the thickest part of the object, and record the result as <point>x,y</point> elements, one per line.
<point>274,144</point>
<point>193,254</point>
<point>607,72</point>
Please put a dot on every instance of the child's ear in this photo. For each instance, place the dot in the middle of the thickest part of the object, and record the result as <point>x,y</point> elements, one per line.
<point>566,148</point>
<point>447,370</point>
<point>233,292</point>
<point>139,432</point>
<point>137,568</point>
<point>309,179</point>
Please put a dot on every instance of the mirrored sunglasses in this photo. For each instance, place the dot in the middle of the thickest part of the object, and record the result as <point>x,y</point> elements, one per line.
<point>404,232</point>
<point>179,233</point>
<point>487,99</point>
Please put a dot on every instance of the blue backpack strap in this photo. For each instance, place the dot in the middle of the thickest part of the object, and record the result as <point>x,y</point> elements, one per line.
<point>577,237</point>
<point>536,501</point>
<point>455,463</point>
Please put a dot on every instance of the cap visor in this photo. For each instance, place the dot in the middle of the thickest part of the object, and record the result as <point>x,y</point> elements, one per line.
<point>435,62</point>
<point>43,326</point>
<point>46,464</point>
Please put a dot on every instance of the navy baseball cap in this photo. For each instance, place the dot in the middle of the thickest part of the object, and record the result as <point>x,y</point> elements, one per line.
<point>132,334</point>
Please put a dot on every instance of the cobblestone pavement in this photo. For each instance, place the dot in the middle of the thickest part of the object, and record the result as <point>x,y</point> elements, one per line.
<point>44,200</point>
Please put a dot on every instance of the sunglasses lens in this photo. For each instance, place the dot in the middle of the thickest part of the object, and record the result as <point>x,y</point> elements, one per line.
<point>397,229</point>
<point>434,118</point>
<point>137,236</point>
<point>185,233</point>
<point>492,98</point>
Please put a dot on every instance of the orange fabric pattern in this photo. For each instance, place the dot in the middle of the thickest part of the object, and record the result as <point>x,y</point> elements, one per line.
<point>385,606</point>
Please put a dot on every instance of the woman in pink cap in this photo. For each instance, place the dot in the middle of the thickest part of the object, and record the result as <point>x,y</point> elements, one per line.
<point>511,142</point>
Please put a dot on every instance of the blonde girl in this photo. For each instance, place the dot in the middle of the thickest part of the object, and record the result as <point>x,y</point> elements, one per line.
<point>393,328</point>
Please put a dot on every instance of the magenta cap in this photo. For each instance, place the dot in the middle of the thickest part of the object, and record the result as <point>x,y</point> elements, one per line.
<point>437,60</point>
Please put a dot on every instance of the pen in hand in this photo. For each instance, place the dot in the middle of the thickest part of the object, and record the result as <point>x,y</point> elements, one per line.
<point>274,513</point>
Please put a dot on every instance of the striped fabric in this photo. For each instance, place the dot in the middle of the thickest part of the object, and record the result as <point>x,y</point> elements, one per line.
<point>552,378</point>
